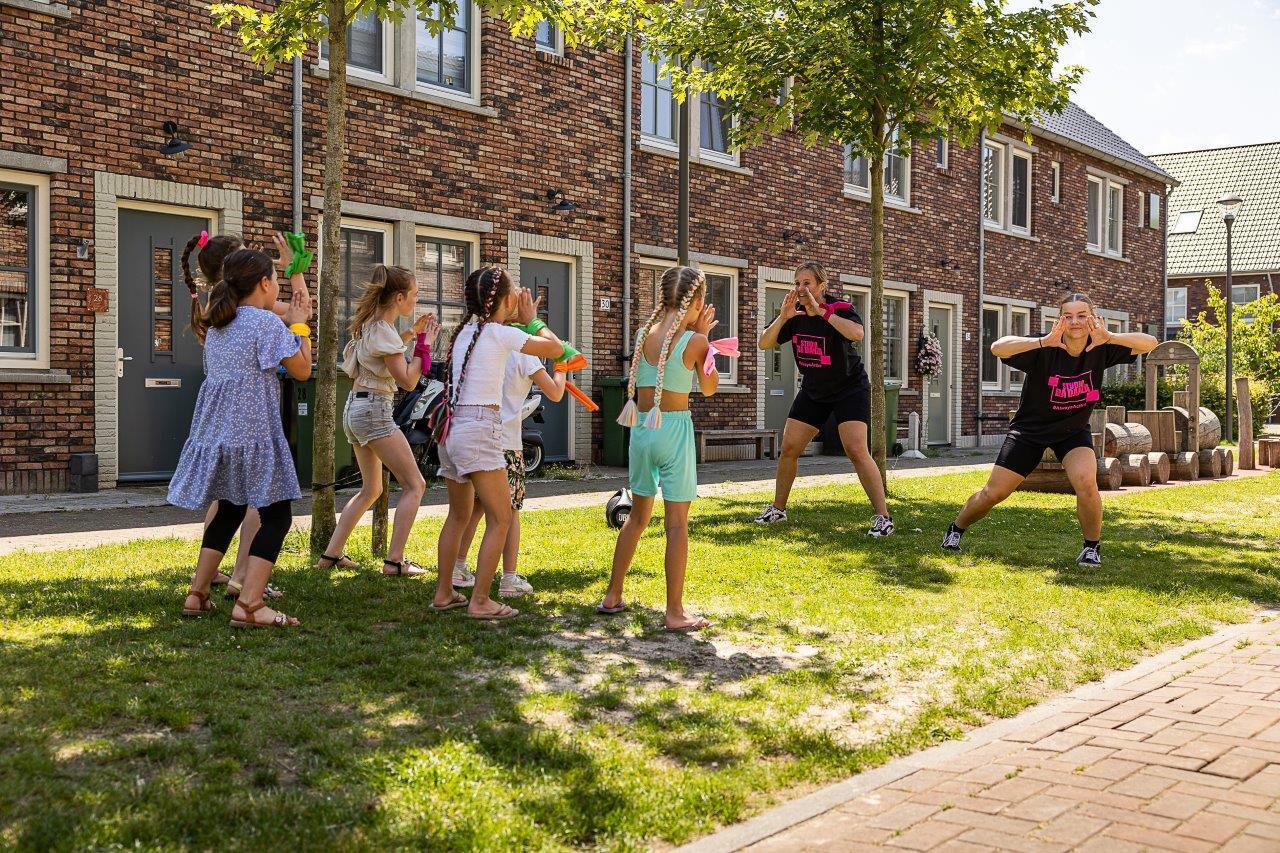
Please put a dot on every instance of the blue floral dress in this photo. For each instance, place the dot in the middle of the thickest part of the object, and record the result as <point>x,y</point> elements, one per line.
<point>237,449</point>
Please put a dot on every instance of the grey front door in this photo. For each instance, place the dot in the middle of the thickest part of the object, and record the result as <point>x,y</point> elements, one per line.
<point>162,363</point>
<point>940,385</point>
<point>779,369</point>
<point>550,280</point>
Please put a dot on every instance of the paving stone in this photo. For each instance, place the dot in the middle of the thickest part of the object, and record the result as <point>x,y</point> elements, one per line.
<point>1114,769</point>
<point>1177,806</point>
<point>1072,828</point>
<point>921,780</point>
<point>1235,766</point>
<point>1212,827</point>
<point>995,840</point>
<point>1085,755</point>
<point>1145,724</point>
<point>1061,741</point>
<point>1248,844</point>
<point>1154,839</point>
<point>1201,748</point>
<point>1130,816</point>
<point>1040,808</point>
<point>1014,790</point>
<point>1143,785</point>
<point>926,835</point>
<point>978,820</point>
<point>902,816</point>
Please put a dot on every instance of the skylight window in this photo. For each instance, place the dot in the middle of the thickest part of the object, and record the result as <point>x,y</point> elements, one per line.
<point>1188,222</point>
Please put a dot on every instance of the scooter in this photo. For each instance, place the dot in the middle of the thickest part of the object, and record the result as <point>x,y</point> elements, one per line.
<point>531,439</point>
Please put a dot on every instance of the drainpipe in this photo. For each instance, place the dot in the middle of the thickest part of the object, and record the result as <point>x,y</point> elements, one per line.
<point>626,201</point>
<point>297,143</point>
<point>982,255</point>
<point>1164,262</point>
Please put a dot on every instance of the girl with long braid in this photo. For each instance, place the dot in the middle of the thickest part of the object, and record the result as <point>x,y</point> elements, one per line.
<point>669,349</point>
<point>471,459</point>
<point>212,252</point>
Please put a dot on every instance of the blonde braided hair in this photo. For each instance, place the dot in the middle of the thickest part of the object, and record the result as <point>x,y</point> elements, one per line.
<point>679,287</point>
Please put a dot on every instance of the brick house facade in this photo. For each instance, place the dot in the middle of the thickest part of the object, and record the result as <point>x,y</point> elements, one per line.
<point>454,163</point>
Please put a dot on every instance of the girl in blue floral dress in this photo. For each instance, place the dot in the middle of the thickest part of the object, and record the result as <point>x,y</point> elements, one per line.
<point>236,453</point>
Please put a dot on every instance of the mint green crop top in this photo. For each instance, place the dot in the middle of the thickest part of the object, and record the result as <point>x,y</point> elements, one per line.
<point>677,378</point>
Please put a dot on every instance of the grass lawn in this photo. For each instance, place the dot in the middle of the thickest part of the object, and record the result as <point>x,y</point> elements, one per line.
<point>382,725</point>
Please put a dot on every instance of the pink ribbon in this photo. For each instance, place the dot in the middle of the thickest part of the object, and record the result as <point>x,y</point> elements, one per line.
<point>725,346</point>
<point>204,239</point>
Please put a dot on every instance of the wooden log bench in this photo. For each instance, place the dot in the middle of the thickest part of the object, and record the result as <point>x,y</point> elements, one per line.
<point>717,437</point>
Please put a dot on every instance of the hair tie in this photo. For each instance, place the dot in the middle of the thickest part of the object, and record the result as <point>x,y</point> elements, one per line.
<point>204,239</point>
<point>195,294</point>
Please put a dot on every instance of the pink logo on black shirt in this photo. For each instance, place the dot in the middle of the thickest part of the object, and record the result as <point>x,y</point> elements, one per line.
<point>810,351</point>
<point>1072,392</point>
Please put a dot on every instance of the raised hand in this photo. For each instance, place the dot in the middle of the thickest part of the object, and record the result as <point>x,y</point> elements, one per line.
<point>705,321</point>
<point>299,308</point>
<point>810,303</point>
<point>526,306</point>
<point>1098,333</point>
<point>282,248</point>
<point>1054,337</point>
<point>789,304</point>
<point>427,323</point>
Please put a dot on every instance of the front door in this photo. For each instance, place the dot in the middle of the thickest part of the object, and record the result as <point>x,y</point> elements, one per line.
<point>779,369</point>
<point>940,385</point>
<point>550,280</point>
<point>161,364</point>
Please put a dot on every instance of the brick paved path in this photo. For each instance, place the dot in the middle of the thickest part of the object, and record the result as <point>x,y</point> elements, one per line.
<point>1180,753</point>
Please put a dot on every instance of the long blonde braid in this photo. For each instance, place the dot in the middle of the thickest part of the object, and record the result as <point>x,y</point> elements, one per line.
<point>629,416</point>
<point>654,419</point>
<point>679,287</point>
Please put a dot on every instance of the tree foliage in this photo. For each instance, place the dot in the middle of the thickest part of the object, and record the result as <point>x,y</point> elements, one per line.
<point>1255,337</point>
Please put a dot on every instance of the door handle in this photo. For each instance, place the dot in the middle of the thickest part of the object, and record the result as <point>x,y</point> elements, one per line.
<point>121,358</point>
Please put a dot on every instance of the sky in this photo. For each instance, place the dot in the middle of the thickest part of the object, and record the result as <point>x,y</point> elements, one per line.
<point>1180,75</point>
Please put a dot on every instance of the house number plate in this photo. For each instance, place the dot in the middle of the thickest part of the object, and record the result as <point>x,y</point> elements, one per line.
<point>163,383</point>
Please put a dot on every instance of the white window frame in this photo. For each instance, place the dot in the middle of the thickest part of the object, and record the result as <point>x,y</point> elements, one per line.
<point>1117,216</point>
<point>1021,154</point>
<point>1020,311</point>
<point>386,229</point>
<point>473,255</point>
<point>1055,191</point>
<point>1177,322</point>
<point>388,57</point>
<point>727,327</point>
<point>997,151</point>
<point>900,201</point>
<point>1153,210</point>
<point>695,117</point>
<point>664,142</point>
<point>1004,373</point>
<point>1006,153</point>
<point>555,50</point>
<point>1177,227</point>
<point>38,302</point>
<point>1116,323</point>
<point>942,162</point>
<point>904,376</point>
<point>1257,292</point>
<point>1106,184</point>
<point>471,95</point>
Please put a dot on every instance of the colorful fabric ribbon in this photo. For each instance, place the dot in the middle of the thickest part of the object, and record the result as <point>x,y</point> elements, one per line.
<point>301,257</point>
<point>727,347</point>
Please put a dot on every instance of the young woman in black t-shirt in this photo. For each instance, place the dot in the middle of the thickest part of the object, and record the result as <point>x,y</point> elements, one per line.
<point>1062,384</point>
<point>821,334</point>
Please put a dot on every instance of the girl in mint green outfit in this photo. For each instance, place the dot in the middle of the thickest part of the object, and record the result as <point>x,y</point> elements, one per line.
<point>669,349</point>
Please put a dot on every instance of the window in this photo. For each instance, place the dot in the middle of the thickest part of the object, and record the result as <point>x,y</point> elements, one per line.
<point>1020,187</point>
<point>548,38</point>
<point>1153,210</point>
<point>1175,309</point>
<point>1093,216</point>
<point>897,175</point>
<point>368,47</point>
<point>1188,222</point>
<point>999,320</point>
<point>1243,294</point>
<point>363,246</point>
<point>993,184</point>
<point>1020,325</point>
<point>24,270</point>
<point>940,152</point>
<point>1055,192</point>
<point>991,316</point>
<point>658,107</point>
<point>722,292</point>
<point>447,61</point>
<point>894,324</point>
<point>1117,372</point>
<point>1104,217</point>
<point>441,264</point>
<point>1115,218</point>
<point>716,122</point>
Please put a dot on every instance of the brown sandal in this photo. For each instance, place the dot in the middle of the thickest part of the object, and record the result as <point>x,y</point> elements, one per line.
<point>280,621</point>
<point>206,606</point>
<point>337,562</point>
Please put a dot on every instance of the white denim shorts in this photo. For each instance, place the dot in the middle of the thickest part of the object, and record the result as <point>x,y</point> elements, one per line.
<point>474,443</point>
<point>367,418</point>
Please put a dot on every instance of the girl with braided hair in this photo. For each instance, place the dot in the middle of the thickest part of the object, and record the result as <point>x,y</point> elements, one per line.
<point>670,348</point>
<point>471,459</point>
<point>212,252</point>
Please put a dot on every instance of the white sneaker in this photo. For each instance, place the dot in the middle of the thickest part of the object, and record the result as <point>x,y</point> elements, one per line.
<point>514,586</point>
<point>771,515</point>
<point>881,525</point>
<point>462,577</point>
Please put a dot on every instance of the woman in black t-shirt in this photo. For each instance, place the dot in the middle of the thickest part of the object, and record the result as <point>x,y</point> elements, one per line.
<point>1062,385</point>
<point>821,332</point>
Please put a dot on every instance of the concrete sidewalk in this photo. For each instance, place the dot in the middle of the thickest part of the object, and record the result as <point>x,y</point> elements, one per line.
<point>125,515</point>
<point>1181,752</point>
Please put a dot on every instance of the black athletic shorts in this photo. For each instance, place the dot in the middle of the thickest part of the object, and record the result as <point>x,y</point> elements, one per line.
<point>1022,455</point>
<point>852,406</point>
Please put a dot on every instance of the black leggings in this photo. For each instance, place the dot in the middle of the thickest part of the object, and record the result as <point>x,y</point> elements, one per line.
<point>276,520</point>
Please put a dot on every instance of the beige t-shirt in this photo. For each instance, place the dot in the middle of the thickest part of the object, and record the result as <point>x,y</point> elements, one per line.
<point>362,359</point>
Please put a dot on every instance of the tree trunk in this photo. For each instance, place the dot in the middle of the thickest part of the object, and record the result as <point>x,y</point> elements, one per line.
<point>322,498</point>
<point>381,508</point>
<point>875,307</point>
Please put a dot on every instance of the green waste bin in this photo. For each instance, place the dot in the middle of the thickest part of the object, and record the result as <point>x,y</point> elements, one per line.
<point>830,434</point>
<point>614,392</point>
<point>300,413</point>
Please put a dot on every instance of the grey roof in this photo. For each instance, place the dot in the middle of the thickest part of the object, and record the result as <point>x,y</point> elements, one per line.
<point>1075,125</point>
<point>1250,171</point>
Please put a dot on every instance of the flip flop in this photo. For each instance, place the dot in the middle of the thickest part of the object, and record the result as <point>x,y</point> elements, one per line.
<point>610,611</point>
<point>688,629</point>
<point>504,612</point>
<point>459,600</point>
<point>220,579</point>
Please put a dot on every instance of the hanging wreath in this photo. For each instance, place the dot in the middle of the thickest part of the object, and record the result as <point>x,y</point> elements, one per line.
<point>928,356</point>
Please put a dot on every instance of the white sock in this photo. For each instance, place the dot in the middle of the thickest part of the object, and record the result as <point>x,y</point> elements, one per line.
<point>460,563</point>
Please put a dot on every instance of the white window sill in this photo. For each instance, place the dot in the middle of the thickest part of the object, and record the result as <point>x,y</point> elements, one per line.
<point>889,203</point>
<point>732,389</point>
<point>908,392</point>
<point>53,10</point>
<point>664,150</point>
<point>33,376</point>
<point>423,95</point>
<point>1001,392</point>
<point>1108,255</point>
<point>1008,232</point>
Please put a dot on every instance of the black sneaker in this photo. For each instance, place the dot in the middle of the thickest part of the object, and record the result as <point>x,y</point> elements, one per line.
<point>771,515</point>
<point>881,525</point>
<point>1090,557</point>
<point>951,540</point>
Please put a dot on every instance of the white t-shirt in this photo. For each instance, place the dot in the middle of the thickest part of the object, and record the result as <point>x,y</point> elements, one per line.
<point>516,385</point>
<point>488,362</point>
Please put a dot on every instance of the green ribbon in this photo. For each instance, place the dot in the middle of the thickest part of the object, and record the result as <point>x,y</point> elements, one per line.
<point>301,257</point>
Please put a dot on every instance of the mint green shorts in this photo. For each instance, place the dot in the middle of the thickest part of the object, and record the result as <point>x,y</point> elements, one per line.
<point>664,457</point>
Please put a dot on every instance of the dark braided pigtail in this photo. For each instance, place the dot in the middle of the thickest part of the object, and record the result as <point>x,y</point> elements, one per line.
<point>487,289</point>
<point>213,252</point>
<point>483,289</point>
<point>196,316</point>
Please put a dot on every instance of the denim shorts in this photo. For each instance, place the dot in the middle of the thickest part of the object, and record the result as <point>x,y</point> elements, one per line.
<point>664,457</point>
<point>367,418</point>
<point>474,443</point>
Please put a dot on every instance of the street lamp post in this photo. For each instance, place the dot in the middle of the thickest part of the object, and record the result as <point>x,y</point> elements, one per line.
<point>1229,203</point>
